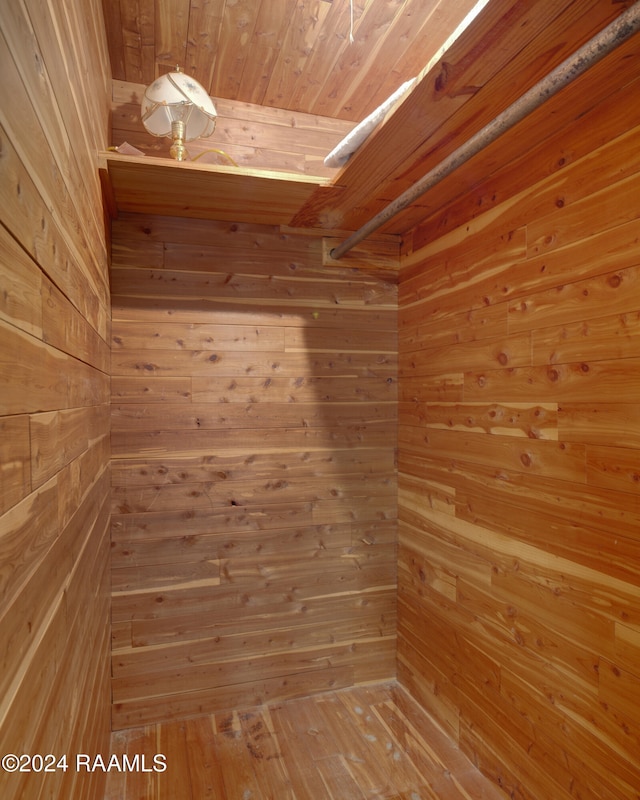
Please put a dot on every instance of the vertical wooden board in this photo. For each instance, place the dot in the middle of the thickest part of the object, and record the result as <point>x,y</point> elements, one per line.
<point>255,73</point>
<point>137,743</point>
<point>394,764</point>
<point>171,26</point>
<point>138,31</point>
<point>305,24</point>
<point>263,745</point>
<point>363,56</point>
<point>271,25</point>
<point>229,748</point>
<point>205,772</point>
<point>238,24</point>
<point>201,56</point>
<point>296,732</point>
<point>338,779</point>
<point>112,15</point>
<point>172,742</point>
<point>351,747</point>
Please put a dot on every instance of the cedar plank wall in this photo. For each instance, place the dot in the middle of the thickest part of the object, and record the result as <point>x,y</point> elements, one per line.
<point>250,135</point>
<point>54,394</point>
<point>254,414</point>
<point>519,463</point>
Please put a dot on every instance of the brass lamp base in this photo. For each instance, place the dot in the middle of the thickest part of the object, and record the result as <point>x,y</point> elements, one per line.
<point>178,150</point>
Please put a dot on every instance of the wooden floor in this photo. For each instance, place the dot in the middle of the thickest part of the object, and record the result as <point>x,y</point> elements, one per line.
<point>371,742</point>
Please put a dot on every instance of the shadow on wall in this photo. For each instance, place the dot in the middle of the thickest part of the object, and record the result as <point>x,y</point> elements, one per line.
<point>254,477</point>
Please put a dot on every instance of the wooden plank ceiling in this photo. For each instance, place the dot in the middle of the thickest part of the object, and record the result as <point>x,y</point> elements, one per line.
<point>289,54</point>
<point>297,55</point>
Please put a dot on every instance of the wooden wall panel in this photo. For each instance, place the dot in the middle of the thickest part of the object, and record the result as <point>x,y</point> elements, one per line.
<point>519,500</point>
<point>250,135</point>
<point>254,413</point>
<point>54,400</point>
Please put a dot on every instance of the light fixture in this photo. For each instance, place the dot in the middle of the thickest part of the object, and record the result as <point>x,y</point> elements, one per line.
<point>178,107</point>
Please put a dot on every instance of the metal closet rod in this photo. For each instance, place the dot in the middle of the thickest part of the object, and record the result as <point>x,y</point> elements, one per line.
<point>617,32</point>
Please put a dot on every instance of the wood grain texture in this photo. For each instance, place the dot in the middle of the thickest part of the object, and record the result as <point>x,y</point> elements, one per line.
<point>175,188</point>
<point>249,135</point>
<point>502,53</point>
<point>54,421</point>
<point>519,507</point>
<point>254,480</point>
<point>276,53</point>
<point>350,744</point>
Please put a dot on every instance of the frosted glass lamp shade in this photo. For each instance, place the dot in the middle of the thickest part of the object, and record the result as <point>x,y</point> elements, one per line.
<point>178,98</point>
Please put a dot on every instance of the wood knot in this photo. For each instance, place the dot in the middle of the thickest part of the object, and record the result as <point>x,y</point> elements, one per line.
<point>615,281</point>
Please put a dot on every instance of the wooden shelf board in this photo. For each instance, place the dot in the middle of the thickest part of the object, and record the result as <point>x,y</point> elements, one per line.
<point>150,185</point>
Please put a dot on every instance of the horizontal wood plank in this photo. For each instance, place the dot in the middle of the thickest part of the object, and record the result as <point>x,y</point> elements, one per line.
<point>254,473</point>
<point>518,496</point>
